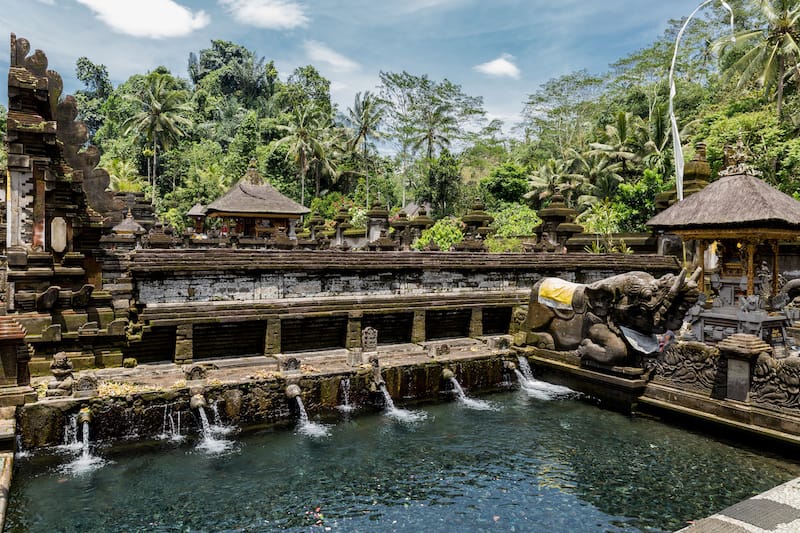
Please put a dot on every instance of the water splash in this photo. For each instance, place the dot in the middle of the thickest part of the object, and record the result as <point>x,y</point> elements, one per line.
<point>85,462</point>
<point>71,442</point>
<point>210,443</point>
<point>525,367</point>
<point>218,427</point>
<point>21,452</point>
<point>470,403</point>
<point>540,390</point>
<point>401,415</point>
<point>170,430</point>
<point>307,427</point>
<point>345,406</point>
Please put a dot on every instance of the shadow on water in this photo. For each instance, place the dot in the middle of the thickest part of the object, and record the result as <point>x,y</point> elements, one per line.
<point>531,464</point>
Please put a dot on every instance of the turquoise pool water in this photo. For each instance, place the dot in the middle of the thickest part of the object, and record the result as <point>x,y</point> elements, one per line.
<point>530,463</point>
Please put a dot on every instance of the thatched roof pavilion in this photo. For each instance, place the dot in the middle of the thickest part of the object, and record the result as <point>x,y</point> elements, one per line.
<point>257,205</point>
<point>739,207</point>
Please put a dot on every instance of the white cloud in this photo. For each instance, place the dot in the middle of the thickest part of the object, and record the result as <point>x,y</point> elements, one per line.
<point>503,66</point>
<point>155,19</point>
<point>318,52</point>
<point>48,2</point>
<point>269,14</point>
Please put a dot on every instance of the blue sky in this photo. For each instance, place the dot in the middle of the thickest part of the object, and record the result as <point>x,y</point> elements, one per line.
<point>501,50</point>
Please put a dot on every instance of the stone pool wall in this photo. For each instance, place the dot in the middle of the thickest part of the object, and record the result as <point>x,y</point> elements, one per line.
<point>258,401</point>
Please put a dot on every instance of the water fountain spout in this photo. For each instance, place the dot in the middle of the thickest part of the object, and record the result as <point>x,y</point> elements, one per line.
<point>293,391</point>
<point>85,415</point>
<point>509,365</point>
<point>377,378</point>
<point>198,401</point>
<point>448,374</point>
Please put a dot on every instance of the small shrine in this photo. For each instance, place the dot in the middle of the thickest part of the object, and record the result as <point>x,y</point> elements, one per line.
<point>733,227</point>
<point>257,208</point>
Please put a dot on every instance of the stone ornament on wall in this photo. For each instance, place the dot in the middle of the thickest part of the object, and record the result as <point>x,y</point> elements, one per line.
<point>689,365</point>
<point>369,340</point>
<point>776,382</point>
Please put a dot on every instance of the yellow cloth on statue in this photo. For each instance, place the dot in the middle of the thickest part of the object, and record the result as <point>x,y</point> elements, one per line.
<point>557,293</point>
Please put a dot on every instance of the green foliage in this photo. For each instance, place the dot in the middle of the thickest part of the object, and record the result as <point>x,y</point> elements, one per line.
<point>499,245</point>
<point>636,202</point>
<point>445,233</point>
<point>506,183</point>
<point>444,182</point>
<point>328,205</point>
<point>515,220</point>
<point>760,131</point>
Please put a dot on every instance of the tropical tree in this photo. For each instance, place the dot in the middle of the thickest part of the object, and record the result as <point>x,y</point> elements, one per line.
<point>623,141</point>
<point>772,52</point>
<point>554,175</point>
<point>364,118</point>
<point>124,175</point>
<point>306,143</point>
<point>162,116</point>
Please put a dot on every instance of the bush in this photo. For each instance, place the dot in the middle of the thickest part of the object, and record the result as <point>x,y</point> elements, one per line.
<point>445,233</point>
<point>515,220</point>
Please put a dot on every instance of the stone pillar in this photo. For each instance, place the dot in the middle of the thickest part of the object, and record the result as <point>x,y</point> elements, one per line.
<point>774,246</point>
<point>476,322</point>
<point>353,339</point>
<point>750,249</point>
<point>701,253</point>
<point>741,350</point>
<point>418,326</point>
<point>272,339</point>
<point>184,348</point>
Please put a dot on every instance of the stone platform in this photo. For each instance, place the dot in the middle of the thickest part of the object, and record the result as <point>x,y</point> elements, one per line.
<point>775,510</point>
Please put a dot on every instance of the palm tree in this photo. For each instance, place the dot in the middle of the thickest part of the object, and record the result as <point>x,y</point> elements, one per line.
<point>305,137</point>
<point>162,117</point>
<point>623,141</point>
<point>436,124</point>
<point>553,176</point>
<point>123,174</point>
<point>601,176</point>
<point>364,118</point>
<point>774,50</point>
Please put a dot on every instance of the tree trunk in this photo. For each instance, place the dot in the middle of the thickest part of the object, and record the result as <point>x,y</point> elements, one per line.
<point>366,172</point>
<point>302,179</point>
<point>779,90</point>
<point>155,168</point>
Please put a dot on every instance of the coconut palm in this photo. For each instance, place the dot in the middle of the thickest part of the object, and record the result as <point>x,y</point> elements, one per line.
<point>772,52</point>
<point>124,175</point>
<point>308,143</point>
<point>162,118</point>
<point>364,118</point>
<point>555,175</point>
<point>623,141</point>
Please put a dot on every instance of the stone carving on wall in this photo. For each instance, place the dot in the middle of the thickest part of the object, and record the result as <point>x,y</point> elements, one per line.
<point>689,365</point>
<point>369,340</point>
<point>776,382</point>
<point>74,135</point>
<point>611,320</point>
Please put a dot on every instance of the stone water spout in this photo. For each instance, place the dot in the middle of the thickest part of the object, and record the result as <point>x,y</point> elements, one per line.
<point>85,415</point>
<point>293,391</point>
<point>198,401</point>
<point>377,378</point>
<point>447,374</point>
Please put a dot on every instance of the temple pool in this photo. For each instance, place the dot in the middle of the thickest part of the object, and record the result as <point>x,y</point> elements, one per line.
<point>531,464</point>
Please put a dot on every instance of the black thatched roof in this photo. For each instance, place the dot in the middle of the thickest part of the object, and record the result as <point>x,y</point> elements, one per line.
<point>252,195</point>
<point>197,210</point>
<point>740,200</point>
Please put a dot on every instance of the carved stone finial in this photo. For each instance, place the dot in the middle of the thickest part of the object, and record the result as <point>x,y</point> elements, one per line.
<point>737,160</point>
